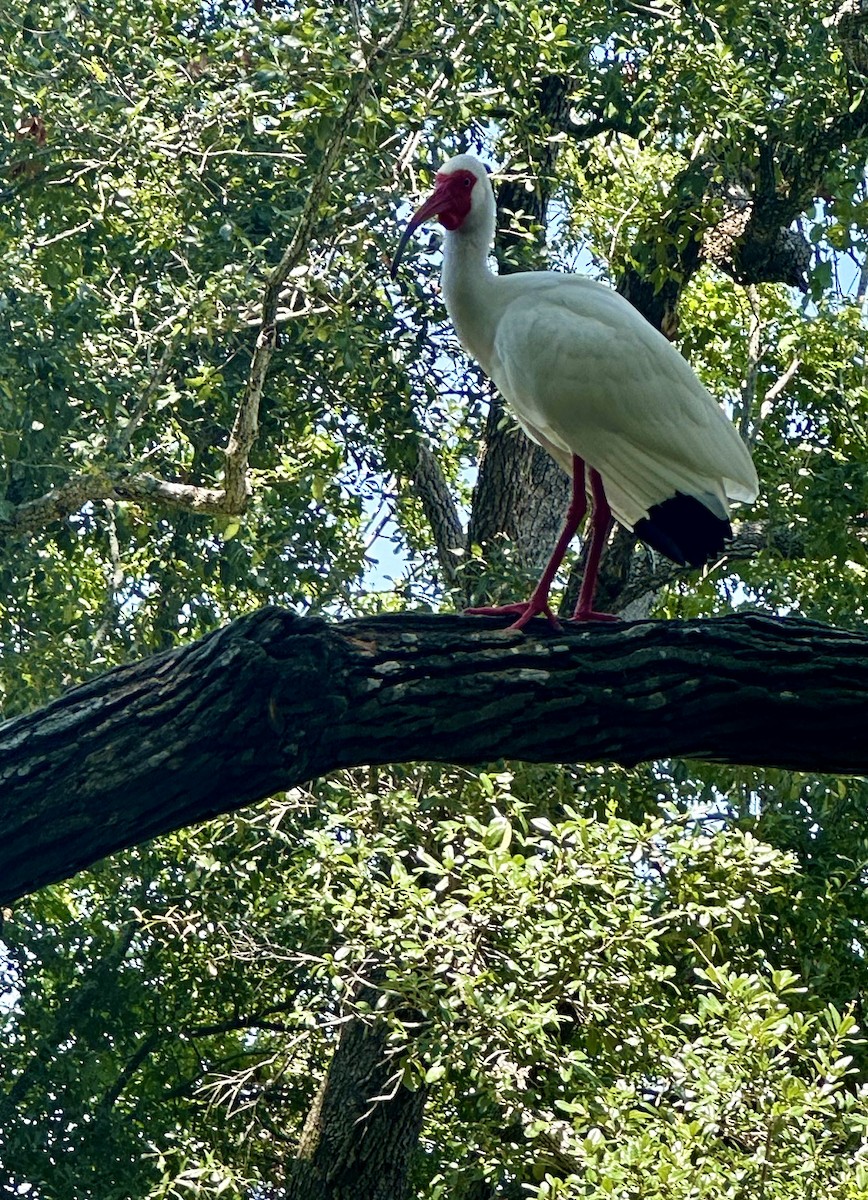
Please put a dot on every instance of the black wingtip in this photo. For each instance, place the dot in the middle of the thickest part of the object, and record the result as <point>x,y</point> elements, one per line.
<point>684,530</point>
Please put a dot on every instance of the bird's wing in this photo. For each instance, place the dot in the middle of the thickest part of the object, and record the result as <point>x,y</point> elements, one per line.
<point>559,453</point>
<point>587,375</point>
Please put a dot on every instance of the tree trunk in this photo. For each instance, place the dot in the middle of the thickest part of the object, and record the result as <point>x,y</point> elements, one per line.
<point>522,494</point>
<point>274,699</point>
<point>363,1126</point>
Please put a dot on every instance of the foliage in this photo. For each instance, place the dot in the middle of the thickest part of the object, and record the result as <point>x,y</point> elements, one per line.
<point>627,983</point>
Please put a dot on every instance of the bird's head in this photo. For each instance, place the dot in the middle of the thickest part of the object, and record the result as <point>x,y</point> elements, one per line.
<point>462,199</point>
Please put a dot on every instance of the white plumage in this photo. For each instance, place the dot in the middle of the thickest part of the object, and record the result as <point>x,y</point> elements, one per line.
<point>595,384</point>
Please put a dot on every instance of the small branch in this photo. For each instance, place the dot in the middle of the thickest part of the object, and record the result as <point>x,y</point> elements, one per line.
<point>862,286</point>
<point>41,243</point>
<point>754,353</point>
<point>113,583</point>
<point>778,386</point>
<point>112,1095</point>
<point>656,11</point>
<point>246,425</point>
<point>629,126</point>
<point>750,538</point>
<point>120,442</point>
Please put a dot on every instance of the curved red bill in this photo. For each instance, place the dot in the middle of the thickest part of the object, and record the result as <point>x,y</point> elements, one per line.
<point>429,209</point>
<point>449,202</point>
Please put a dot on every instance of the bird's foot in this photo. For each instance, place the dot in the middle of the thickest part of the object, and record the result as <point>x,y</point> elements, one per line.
<point>589,614</point>
<point>526,610</point>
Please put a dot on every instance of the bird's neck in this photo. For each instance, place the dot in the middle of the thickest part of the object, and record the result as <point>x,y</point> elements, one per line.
<point>469,291</point>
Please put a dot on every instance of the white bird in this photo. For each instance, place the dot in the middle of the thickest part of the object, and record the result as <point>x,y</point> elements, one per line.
<point>593,382</point>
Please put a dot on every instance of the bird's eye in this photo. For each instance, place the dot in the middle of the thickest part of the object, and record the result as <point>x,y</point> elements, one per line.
<point>468,182</point>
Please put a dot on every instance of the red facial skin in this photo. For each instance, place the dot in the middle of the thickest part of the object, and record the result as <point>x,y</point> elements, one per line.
<point>449,203</point>
<point>450,199</point>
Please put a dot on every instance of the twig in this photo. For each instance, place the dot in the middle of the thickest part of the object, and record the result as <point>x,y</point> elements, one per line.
<point>782,381</point>
<point>41,243</point>
<point>119,443</point>
<point>113,583</point>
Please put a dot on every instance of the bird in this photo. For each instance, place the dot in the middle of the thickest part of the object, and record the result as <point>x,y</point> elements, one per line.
<point>602,390</point>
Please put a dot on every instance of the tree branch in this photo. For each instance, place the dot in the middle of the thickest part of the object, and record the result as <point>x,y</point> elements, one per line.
<point>440,509</point>
<point>246,424</point>
<point>113,483</point>
<point>628,579</point>
<point>125,482</point>
<point>273,700</point>
<point>121,440</point>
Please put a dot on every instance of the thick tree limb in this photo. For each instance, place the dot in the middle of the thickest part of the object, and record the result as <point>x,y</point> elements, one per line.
<point>273,700</point>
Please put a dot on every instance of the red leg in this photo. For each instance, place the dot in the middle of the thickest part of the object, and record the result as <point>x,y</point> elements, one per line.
<point>538,604</point>
<point>601,526</point>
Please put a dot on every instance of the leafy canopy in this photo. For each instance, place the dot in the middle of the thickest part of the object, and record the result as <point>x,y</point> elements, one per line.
<point>631,983</point>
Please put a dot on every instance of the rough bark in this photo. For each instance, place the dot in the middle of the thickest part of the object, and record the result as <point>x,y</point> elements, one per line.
<point>273,700</point>
<point>522,495</point>
<point>363,1126</point>
<point>440,509</point>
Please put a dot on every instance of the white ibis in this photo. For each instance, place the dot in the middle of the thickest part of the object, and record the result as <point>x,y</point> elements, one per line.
<point>594,383</point>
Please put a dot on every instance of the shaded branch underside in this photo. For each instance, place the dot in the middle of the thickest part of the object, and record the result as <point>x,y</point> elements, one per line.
<point>274,700</point>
